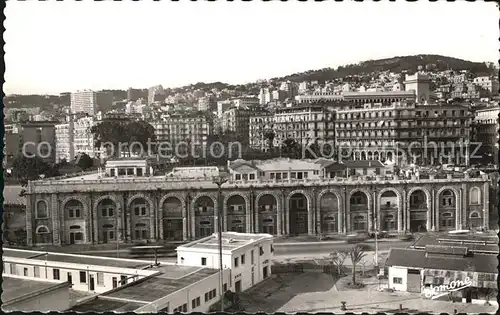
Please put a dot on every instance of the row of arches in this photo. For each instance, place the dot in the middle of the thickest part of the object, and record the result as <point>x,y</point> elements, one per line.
<point>237,215</point>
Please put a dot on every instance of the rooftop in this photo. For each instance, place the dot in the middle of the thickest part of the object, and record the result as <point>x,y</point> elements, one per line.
<point>14,288</point>
<point>473,242</point>
<point>104,305</point>
<point>413,258</point>
<point>171,279</point>
<point>75,259</point>
<point>230,241</point>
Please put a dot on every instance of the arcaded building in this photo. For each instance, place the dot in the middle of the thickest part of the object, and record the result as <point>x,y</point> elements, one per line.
<point>278,197</point>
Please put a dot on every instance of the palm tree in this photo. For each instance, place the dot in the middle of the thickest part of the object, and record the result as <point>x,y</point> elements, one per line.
<point>357,254</point>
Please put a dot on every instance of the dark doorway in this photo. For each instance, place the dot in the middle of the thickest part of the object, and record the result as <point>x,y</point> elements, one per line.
<point>237,286</point>
<point>92,283</point>
<point>468,295</point>
<point>264,272</point>
<point>71,238</point>
<point>70,278</point>
<point>115,282</point>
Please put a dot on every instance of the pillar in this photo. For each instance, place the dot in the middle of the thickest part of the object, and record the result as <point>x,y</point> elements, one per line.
<point>465,202</point>
<point>193,219</point>
<point>62,225</point>
<point>87,217</point>
<point>119,219</point>
<point>310,214</point>
<point>224,215</point>
<point>152,215</point>
<point>347,221</point>
<point>185,220</point>
<point>248,215</point>
<point>376,211</point>
<point>128,214</point>
<point>486,205</point>
<point>29,219</point>
<point>286,214</point>
<point>95,224</point>
<point>370,213</point>
<point>256,227</point>
<point>404,207</point>
<point>54,210</point>
<point>435,199</point>
<point>458,209</point>
<point>279,215</point>
<point>318,216</point>
<point>159,213</point>
<point>340,217</point>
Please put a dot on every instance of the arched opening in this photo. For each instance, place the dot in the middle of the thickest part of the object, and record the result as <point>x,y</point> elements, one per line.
<point>172,219</point>
<point>106,211</point>
<point>329,209</point>
<point>73,212</point>
<point>43,235</point>
<point>298,214</point>
<point>358,205</point>
<point>73,209</point>
<point>475,220</point>
<point>204,216</point>
<point>268,211</point>
<point>447,210</point>
<point>139,219</point>
<point>475,196</point>
<point>236,214</point>
<point>389,206</point>
<point>418,211</point>
<point>41,209</point>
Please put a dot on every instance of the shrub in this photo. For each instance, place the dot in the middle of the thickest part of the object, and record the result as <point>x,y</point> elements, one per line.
<point>357,285</point>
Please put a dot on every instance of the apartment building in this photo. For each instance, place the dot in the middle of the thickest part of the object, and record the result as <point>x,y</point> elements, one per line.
<point>64,142</point>
<point>177,129</point>
<point>304,123</point>
<point>37,138</point>
<point>485,131</point>
<point>91,102</point>
<point>487,83</point>
<point>236,120</point>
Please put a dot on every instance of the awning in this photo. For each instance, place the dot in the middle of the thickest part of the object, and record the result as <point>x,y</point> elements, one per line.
<point>429,280</point>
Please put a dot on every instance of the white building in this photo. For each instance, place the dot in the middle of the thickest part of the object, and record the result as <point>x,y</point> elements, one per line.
<point>318,97</point>
<point>83,138</point>
<point>64,142</point>
<point>248,256</point>
<point>244,102</point>
<point>91,102</point>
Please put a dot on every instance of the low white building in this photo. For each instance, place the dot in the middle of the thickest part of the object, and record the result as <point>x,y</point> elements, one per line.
<point>248,256</point>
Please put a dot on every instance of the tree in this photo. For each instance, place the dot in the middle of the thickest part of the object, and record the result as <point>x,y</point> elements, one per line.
<point>30,168</point>
<point>338,259</point>
<point>356,254</point>
<point>270,135</point>
<point>120,134</point>
<point>84,161</point>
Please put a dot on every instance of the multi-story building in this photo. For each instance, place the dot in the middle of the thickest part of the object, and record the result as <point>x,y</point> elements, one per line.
<point>485,135</point>
<point>83,139</point>
<point>260,128</point>
<point>222,106</point>
<point>303,199</point>
<point>90,102</point>
<point>136,94</point>
<point>64,142</point>
<point>177,129</point>
<point>265,96</point>
<point>236,120</point>
<point>489,84</point>
<point>156,94</point>
<point>319,97</point>
<point>419,83</point>
<point>245,102</point>
<point>207,103</point>
<point>38,138</point>
<point>304,123</point>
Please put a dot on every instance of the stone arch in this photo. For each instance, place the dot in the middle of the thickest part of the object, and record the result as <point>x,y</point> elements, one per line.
<point>457,210</point>
<point>37,230</point>
<point>235,193</point>
<point>382,222</point>
<point>382,191</point>
<point>172,195</point>
<point>455,191</point>
<point>333,191</point>
<point>110,197</point>
<point>198,196</point>
<point>368,195</point>
<point>78,198</point>
<point>426,192</point>
<point>272,193</point>
<point>299,191</point>
<point>140,195</point>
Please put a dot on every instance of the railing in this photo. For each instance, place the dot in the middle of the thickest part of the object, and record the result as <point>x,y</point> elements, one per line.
<point>207,182</point>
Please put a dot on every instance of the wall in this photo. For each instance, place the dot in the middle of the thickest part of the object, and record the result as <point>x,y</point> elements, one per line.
<point>400,273</point>
<point>187,294</point>
<point>46,272</point>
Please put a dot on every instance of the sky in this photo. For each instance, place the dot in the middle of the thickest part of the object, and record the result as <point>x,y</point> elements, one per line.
<point>53,47</point>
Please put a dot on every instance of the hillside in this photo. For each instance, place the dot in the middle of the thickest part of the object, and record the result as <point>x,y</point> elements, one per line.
<point>395,64</point>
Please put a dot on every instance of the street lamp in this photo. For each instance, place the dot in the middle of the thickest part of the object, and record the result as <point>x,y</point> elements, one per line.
<point>219,181</point>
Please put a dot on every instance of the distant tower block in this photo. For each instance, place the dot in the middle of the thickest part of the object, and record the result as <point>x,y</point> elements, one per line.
<point>420,83</point>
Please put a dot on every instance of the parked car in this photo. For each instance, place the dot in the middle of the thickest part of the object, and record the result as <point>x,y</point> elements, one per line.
<point>380,234</point>
<point>357,237</point>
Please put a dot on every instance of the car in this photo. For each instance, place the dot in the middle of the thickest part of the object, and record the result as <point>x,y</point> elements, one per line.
<point>357,237</point>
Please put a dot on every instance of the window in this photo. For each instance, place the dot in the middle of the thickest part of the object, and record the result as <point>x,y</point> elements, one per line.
<point>36,272</point>
<point>70,278</point>
<point>252,176</point>
<point>55,274</point>
<point>475,195</point>
<point>13,269</point>
<point>203,261</point>
<point>114,281</point>
<point>41,209</point>
<point>243,259</point>
<point>83,277</point>
<point>123,280</point>
<point>184,308</point>
<point>100,278</point>
<point>251,257</point>
<point>237,176</point>
<point>25,272</point>
<point>206,297</point>
<point>397,280</point>
<point>236,262</point>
